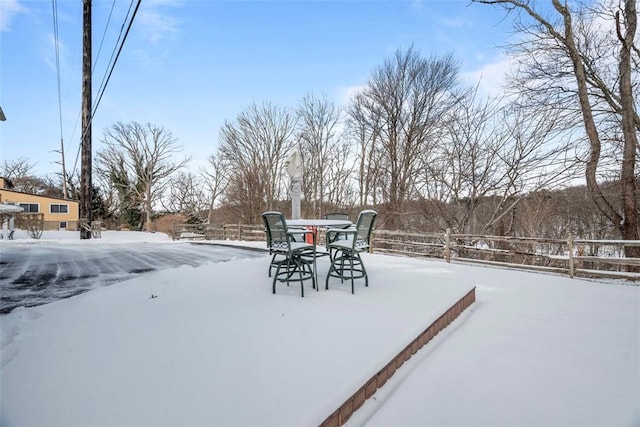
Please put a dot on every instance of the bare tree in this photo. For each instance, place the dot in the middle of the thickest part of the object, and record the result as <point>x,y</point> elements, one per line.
<point>559,213</point>
<point>585,60</point>
<point>340,191</point>
<point>534,215</point>
<point>185,193</point>
<point>401,110</point>
<point>324,152</point>
<point>489,157</point>
<point>254,147</point>
<point>364,128</point>
<point>216,178</point>
<point>140,157</point>
<point>20,173</point>
<point>18,168</point>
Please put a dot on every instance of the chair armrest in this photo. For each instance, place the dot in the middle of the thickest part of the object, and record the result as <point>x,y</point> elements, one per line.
<point>333,233</point>
<point>300,231</point>
<point>347,227</point>
<point>297,231</point>
<point>292,233</point>
<point>342,230</point>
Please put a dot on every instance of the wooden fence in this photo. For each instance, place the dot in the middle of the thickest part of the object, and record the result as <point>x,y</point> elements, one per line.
<point>218,232</point>
<point>574,257</point>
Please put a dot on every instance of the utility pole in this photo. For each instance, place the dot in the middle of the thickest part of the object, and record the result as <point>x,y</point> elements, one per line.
<point>86,214</point>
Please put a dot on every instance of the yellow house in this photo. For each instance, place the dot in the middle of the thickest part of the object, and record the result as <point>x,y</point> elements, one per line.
<point>58,213</point>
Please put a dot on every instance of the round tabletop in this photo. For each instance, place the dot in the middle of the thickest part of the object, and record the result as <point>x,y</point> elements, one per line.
<point>338,223</point>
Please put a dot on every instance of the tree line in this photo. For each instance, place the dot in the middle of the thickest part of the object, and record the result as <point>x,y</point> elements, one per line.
<point>420,146</point>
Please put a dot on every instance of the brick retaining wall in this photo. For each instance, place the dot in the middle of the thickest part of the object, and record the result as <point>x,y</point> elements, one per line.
<point>342,414</point>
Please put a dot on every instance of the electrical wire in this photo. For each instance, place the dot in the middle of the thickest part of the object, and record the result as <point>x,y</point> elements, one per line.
<point>56,41</point>
<point>106,82</point>
<point>93,69</point>
<point>106,79</point>
<point>104,34</point>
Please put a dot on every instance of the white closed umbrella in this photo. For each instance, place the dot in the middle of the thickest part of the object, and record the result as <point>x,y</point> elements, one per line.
<point>294,169</point>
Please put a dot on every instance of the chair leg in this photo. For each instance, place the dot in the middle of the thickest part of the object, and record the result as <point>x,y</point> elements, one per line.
<point>364,271</point>
<point>273,258</point>
<point>311,266</point>
<point>275,277</point>
<point>351,269</point>
<point>315,272</point>
<point>331,269</point>
<point>340,268</point>
<point>294,264</point>
<point>347,265</point>
<point>300,267</point>
<point>290,272</point>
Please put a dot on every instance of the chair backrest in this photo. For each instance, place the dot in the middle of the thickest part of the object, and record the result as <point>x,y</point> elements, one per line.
<point>337,215</point>
<point>364,227</point>
<point>276,228</point>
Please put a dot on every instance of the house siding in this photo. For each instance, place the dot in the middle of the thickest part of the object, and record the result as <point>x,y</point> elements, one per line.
<point>51,219</point>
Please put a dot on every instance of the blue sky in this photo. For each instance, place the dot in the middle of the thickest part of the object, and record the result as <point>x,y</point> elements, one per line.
<point>190,65</point>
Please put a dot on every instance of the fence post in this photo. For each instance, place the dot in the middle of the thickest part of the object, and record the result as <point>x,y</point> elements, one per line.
<point>239,231</point>
<point>447,246</point>
<point>371,243</point>
<point>570,247</point>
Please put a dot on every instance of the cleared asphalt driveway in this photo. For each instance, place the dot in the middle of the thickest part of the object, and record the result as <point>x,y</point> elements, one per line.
<point>34,274</point>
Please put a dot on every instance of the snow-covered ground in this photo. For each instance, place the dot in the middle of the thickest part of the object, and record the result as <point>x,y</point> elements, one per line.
<point>34,272</point>
<point>210,345</point>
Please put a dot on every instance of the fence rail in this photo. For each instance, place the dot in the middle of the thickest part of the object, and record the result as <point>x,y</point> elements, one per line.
<point>218,232</point>
<point>574,257</point>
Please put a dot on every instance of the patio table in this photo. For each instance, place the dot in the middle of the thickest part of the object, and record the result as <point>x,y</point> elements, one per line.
<point>325,223</point>
<point>319,223</point>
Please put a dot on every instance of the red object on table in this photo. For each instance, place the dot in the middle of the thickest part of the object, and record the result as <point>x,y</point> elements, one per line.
<point>308,237</point>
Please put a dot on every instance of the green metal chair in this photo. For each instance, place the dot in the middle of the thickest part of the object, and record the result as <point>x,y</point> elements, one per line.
<point>337,215</point>
<point>294,260</point>
<point>344,247</point>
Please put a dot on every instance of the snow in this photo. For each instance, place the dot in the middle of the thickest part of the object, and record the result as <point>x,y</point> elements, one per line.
<point>36,272</point>
<point>209,344</point>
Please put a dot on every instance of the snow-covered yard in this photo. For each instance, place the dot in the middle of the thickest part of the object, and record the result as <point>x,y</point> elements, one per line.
<point>210,345</point>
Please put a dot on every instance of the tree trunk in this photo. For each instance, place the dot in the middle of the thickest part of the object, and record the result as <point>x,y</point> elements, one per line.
<point>629,225</point>
<point>149,226</point>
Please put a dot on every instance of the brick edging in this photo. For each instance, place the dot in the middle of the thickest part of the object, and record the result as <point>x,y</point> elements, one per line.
<point>353,403</point>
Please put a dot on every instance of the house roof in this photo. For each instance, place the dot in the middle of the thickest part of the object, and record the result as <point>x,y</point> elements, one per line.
<point>39,195</point>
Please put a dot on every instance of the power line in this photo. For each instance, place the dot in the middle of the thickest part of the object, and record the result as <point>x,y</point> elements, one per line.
<point>106,79</point>
<point>116,58</point>
<point>104,34</point>
<point>56,41</point>
<point>111,61</point>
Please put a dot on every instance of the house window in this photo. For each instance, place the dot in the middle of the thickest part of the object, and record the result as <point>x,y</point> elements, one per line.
<point>30,207</point>
<point>63,225</point>
<point>58,208</point>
